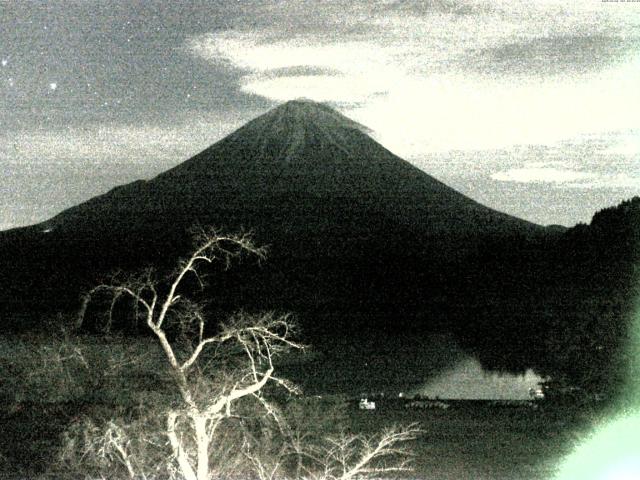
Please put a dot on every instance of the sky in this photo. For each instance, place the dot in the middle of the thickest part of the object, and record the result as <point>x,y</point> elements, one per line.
<point>531,108</point>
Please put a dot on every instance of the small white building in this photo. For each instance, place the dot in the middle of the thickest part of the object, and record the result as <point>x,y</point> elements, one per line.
<point>536,393</point>
<point>365,404</point>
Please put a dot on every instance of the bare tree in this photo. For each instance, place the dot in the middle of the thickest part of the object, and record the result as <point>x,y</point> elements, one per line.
<point>190,426</point>
<point>346,456</point>
<point>359,456</point>
<point>209,430</point>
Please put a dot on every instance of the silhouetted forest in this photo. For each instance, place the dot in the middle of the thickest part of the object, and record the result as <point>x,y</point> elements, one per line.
<point>567,309</point>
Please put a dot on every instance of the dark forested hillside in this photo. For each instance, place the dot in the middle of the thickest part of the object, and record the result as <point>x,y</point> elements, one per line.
<point>588,337</point>
<point>569,314</point>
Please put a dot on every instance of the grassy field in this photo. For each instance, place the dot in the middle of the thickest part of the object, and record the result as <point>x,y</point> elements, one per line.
<point>478,441</point>
<point>468,441</point>
<point>45,386</point>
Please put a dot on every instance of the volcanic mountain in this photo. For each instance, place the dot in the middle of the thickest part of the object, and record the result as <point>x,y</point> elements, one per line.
<point>357,236</point>
<point>300,167</point>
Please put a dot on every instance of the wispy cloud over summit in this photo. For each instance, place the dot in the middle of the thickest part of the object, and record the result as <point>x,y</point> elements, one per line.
<point>339,71</point>
<point>471,75</point>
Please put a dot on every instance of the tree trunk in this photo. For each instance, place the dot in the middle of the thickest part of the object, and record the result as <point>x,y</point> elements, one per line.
<point>202,439</point>
<point>178,451</point>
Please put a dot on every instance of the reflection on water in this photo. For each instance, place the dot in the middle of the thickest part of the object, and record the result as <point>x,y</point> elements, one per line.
<point>468,380</point>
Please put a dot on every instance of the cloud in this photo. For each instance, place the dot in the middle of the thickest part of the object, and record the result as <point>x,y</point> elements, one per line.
<point>404,79</point>
<point>541,174</point>
<point>323,88</point>
<point>449,112</point>
<point>261,53</point>
<point>620,180</point>
<point>626,146</point>
<point>451,7</point>
<point>552,55</point>
<point>336,71</point>
<point>567,177</point>
<point>301,70</point>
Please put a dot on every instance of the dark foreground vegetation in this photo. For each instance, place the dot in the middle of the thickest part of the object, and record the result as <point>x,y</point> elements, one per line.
<point>468,441</point>
<point>192,400</point>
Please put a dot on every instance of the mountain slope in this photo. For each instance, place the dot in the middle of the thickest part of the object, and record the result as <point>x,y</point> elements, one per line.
<point>358,238</point>
<point>287,162</point>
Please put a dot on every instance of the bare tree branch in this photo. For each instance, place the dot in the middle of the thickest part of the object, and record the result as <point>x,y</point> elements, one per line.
<point>259,338</point>
<point>239,359</point>
<point>348,457</point>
